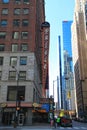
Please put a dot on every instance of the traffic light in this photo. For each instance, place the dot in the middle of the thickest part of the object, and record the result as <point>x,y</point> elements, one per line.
<point>18,108</point>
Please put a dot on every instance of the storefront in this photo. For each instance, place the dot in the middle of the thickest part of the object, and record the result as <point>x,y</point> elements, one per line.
<point>24,114</point>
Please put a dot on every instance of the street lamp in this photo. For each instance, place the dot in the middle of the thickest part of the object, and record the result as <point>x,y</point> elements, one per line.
<point>16,107</point>
<point>54,86</point>
<point>69,83</point>
<point>54,93</point>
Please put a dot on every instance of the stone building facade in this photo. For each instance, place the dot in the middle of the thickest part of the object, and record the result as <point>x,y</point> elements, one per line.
<point>21,59</point>
<point>79,38</point>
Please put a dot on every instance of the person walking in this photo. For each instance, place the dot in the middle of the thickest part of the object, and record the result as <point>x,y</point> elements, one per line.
<point>55,122</point>
<point>51,122</point>
<point>58,121</point>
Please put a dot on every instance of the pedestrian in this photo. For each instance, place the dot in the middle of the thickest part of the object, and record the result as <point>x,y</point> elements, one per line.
<point>51,122</point>
<point>55,122</point>
<point>58,121</point>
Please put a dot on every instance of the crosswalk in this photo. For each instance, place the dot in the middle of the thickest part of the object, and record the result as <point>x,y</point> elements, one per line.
<point>58,128</point>
<point>73,128</point>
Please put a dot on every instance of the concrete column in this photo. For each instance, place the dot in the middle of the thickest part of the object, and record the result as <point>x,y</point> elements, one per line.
<point>29,117</point>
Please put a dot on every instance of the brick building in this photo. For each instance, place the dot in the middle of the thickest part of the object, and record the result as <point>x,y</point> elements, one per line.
<point>24,48</point>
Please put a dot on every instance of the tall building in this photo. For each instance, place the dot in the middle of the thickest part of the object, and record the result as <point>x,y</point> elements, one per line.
<point>60,99</point>
<point>66,30</point>
<point>68,86</point>
<point>24,66</point>
<point>79,46</point>
<point>69,98</point>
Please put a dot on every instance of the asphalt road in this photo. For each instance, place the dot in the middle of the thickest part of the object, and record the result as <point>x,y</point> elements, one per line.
<point>76,126</point>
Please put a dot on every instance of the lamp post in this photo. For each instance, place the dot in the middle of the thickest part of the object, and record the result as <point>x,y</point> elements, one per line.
<point>54,86</point>
<point>54,94</point>
<point>69,82</point>
<point>16,107</point>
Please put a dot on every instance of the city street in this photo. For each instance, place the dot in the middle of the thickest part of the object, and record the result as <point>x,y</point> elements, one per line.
<point>76,126</point>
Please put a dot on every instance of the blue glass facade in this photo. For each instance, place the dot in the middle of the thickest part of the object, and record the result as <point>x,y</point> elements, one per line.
<point>66,26</point>
<point>67,65</point>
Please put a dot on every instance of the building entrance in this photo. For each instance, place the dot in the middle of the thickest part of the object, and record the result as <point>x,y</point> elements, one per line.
<point>7,118</point>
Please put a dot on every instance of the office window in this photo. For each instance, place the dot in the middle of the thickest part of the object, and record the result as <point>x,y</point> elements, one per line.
<point>4,11</point>
<point>33,94</point>
<point>23,60</point>
<point>1,60</point>
<point>25,22</point>
<point>16,22</point>
<point>12,75</point>
<point>85,108</point>
<point>0,74</point>
<point>21,93</point>
<point>17,11</point>
<point>24,35</point>
<point>26,1</point>
<point>14,47</point>
<point>15,35</point>
<point>3,23</point>
<point>2,35</point>
<point>5,1</point>
<point>25,11</point>
<point>11,93</point>
<point>13,61</point>
<point>17,1</point>
<point>2,47</point>
<point>24,47</point>
<point>22,75</point>
<point>13,90</point>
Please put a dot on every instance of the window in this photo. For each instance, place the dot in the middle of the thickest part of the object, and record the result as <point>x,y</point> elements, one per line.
<point>22,75</point>
<point>2,35</point>
<point>33,94</point>
<point>25,22</point>
<point>15,35</point>
<point>85,108</point>
<point>21,93</point>
<point>17,1</point>
<point>0,74</point>
<point>5,1</point>
<point>23,60</point>
<point>24,35</point>
<point>2,47</point>
<point>3,23</point>
<point>26,11</point>
<point>12,75</point>
<point>5,11</point>
<point>24,47</point>
<point>16,22</point>
<point>13,61</point>
<point>11,95</point>
<point>17,11</point>
<point>13,91</point>
<point>14,47</point>
<point>1,60</point>
<point>26,1</point>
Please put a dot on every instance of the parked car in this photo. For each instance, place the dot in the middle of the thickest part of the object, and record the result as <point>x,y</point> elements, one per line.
<point>66,121</point>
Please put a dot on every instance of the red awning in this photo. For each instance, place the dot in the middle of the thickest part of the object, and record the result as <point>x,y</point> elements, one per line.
<point>22,104</point>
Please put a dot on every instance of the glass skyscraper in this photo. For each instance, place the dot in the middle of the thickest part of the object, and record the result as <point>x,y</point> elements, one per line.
<point>66,26</point>
<point>67,87</point>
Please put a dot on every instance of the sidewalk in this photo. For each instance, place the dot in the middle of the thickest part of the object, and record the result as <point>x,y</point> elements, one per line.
<point>39,125</point>
<point>34,126</point>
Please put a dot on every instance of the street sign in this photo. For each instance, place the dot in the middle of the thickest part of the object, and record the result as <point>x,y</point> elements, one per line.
<point>45,106</point>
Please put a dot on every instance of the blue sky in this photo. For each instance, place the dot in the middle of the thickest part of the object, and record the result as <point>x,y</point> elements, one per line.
<point>56,11</point>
